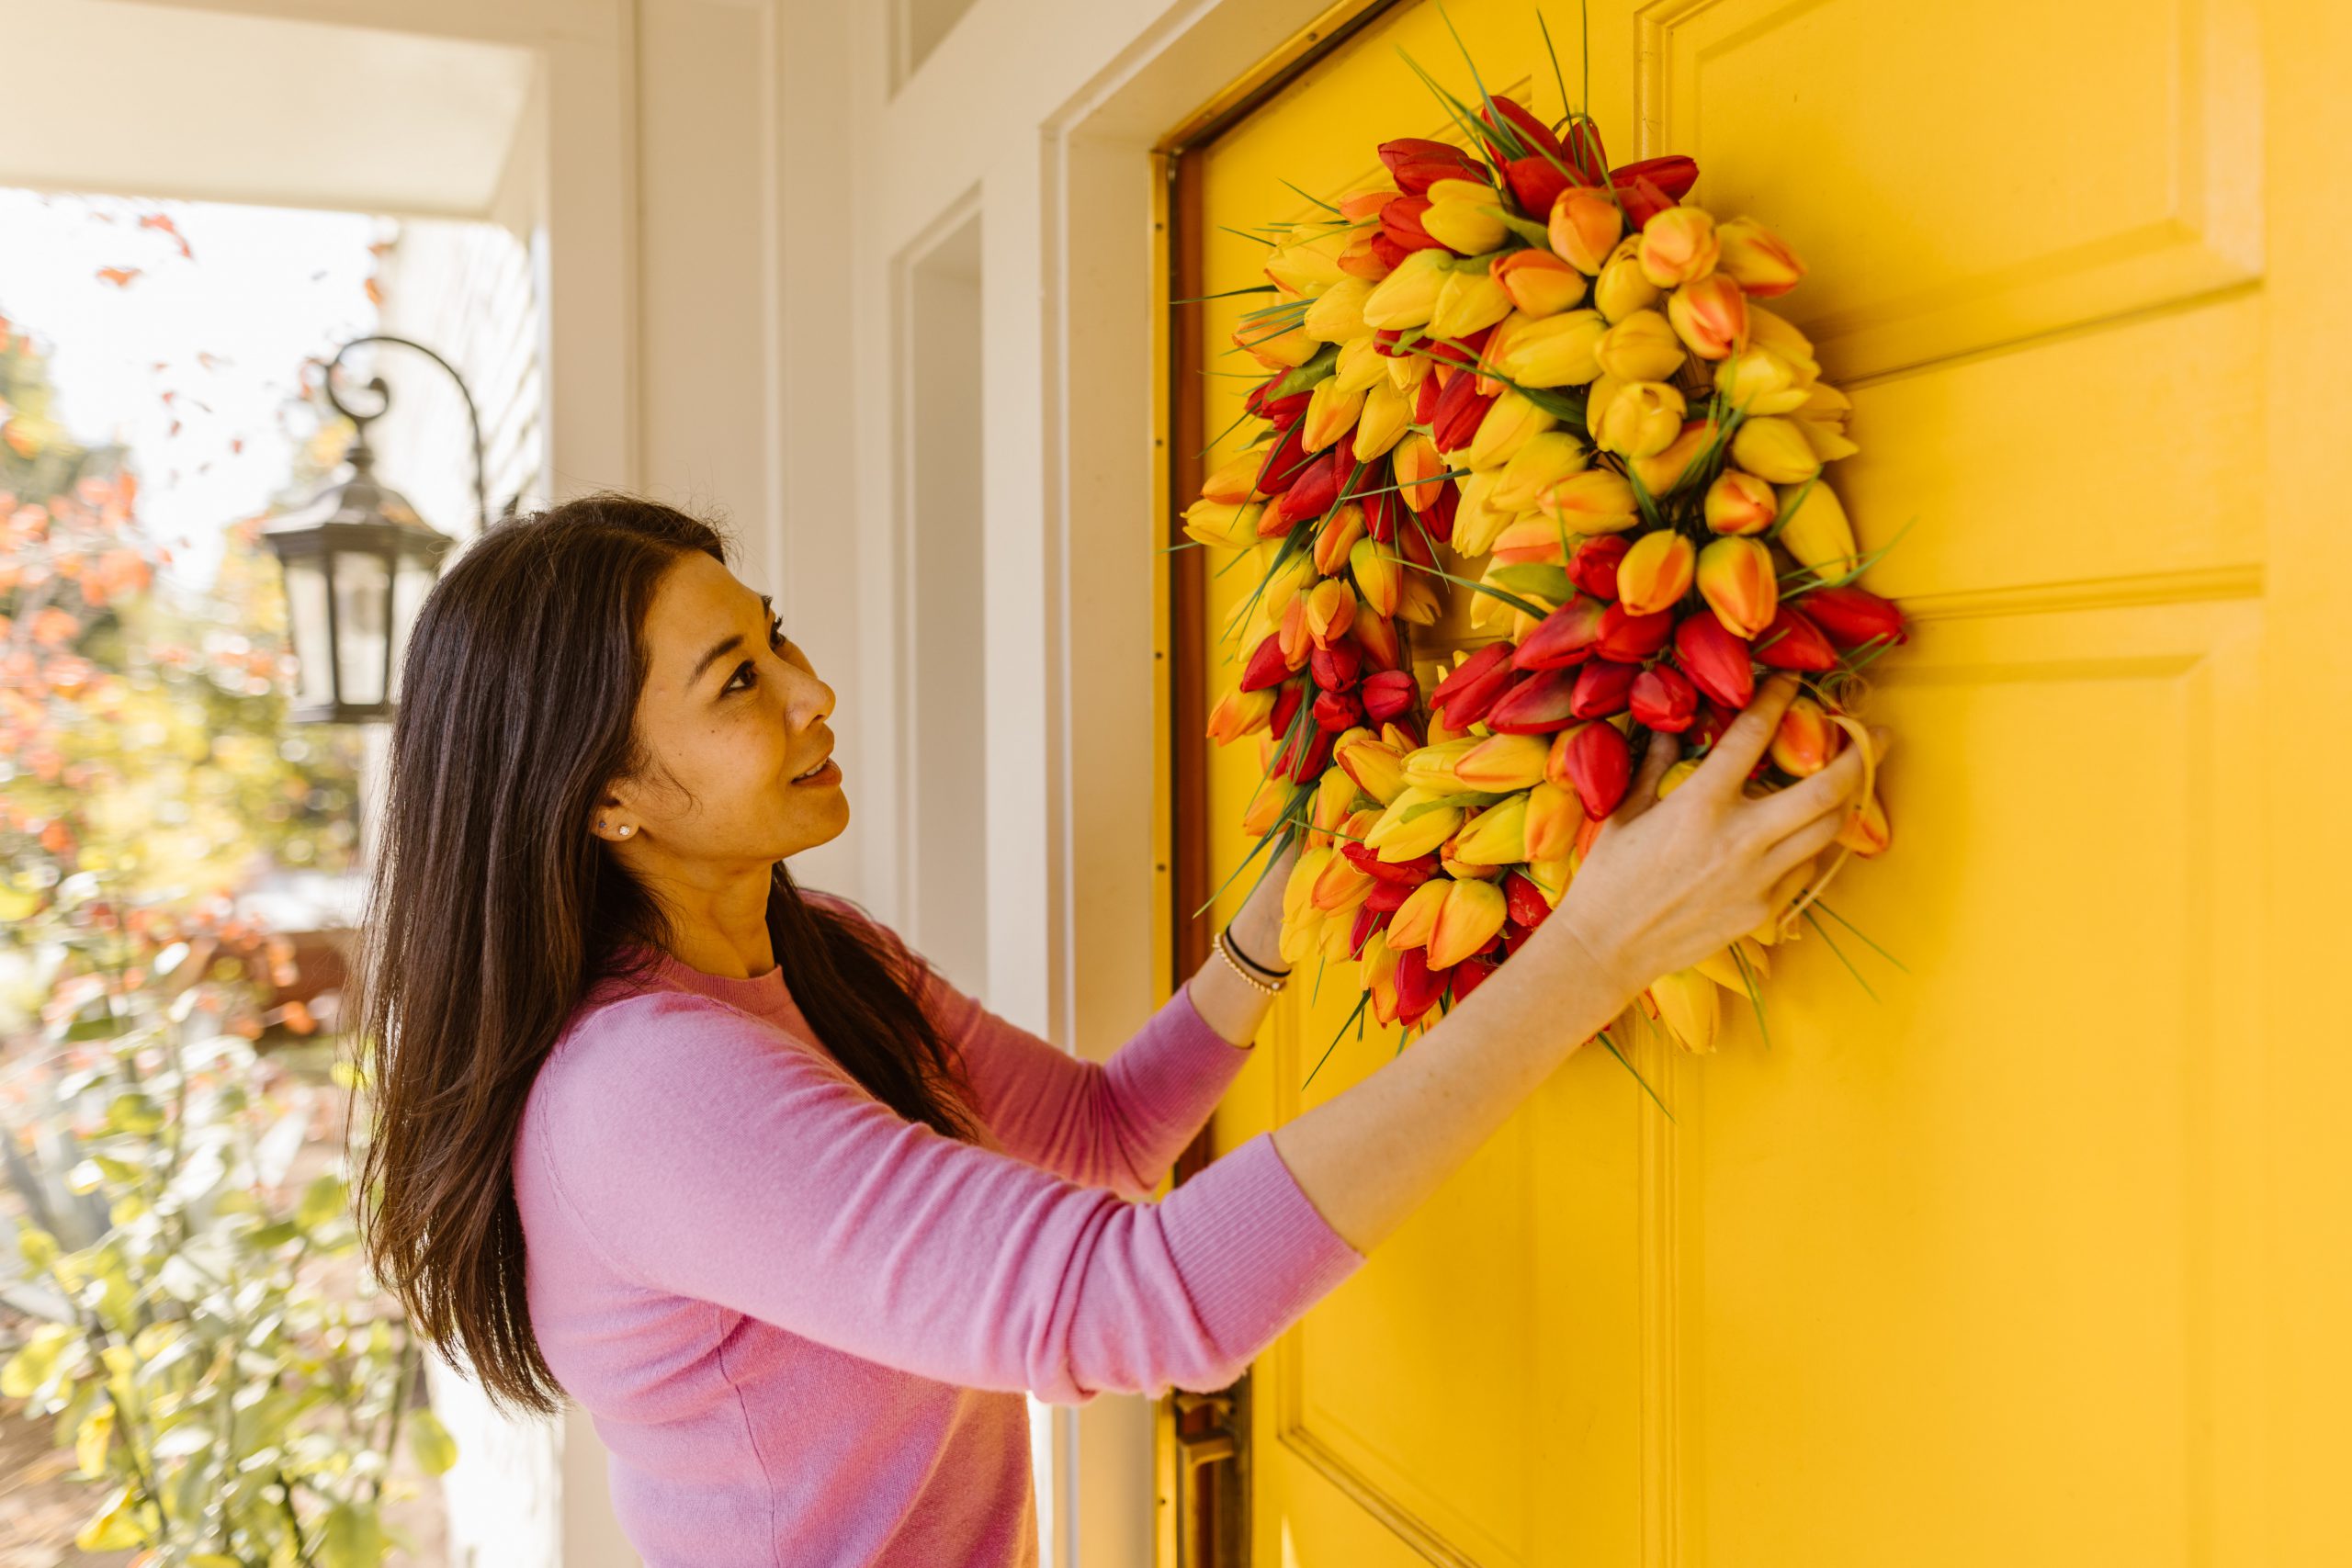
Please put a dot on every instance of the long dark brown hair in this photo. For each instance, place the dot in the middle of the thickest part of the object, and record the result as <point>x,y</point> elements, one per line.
<point>493,910</point>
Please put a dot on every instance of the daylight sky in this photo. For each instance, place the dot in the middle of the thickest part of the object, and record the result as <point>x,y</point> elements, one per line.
<point>191,360</point>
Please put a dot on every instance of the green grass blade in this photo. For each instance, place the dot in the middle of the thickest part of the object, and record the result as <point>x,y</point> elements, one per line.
<point>1860,935</point>
<point>1612,1044</point>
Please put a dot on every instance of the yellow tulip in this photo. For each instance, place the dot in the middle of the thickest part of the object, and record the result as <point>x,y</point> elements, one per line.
<point>1378,574</point>
<point>1774,449</point>
<point>1642,347</point>
<point>1503,762</point>
<point>1407,371</point>
<point>1286,581</point>
<point>1691,1006</point>
<point>1407,296</point>
<point>1477,520</point>
<point>1464,216</point>
<point>1336,538</point>
<point>1302,936</point>
<point>1761,381</point>
<point>1377,768</point>
<point>1558,351</point>
<point>1597,500</point>
<point>1620,289</point>
<point>1386,415</point>
<point>1551,877</point>
<point>1330,414</point>
<point>1430,767</point>
<point>1664,472</point>
<point>1740,504</point>
<point>1472,914</point>
<point>1654,573</point>
<point>1736,579</point>
<point>1307,262</point>
<point>1769,329</point>
<point>1416,918</point>
<point>1394,837</point>
<point>1817,530</point>
<point>1418,604</point>
<point>1335,801</point>
<point>1512,423</point>
<point>1235,479</point>
<point>1724,969</point>
<point>1340,886</point>
<point>1239,713</point>
<point>1467,300</point>
<point>1361,364</point>
<point>1297,892</point>
<point>1330,611</point>
<point>1757,258</point>
<point>1227,526</point>
<point>1547,459</point>
<point>1285,350</point>
<point>1554,816</point>
<point>1539,283</point>
<point>1644,418</point>
<point>1496,836</point>
<point>1336,314</point>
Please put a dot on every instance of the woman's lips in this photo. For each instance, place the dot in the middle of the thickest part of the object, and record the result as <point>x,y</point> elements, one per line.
<point>831,773</point>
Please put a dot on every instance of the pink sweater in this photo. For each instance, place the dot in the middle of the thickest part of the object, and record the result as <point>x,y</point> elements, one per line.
<point>803,1324</point>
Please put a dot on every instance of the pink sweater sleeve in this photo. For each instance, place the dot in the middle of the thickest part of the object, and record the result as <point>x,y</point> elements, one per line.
<point>1119,1123</point>
<point>707,1154</point>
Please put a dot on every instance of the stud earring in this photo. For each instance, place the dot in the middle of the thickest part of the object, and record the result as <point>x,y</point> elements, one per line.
<point>626,831</point>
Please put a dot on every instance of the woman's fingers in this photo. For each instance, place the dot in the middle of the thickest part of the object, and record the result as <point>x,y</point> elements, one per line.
<point>1737,755</point>
<point>1804,844</point>
<point>1663,750</point>
<point>1824,796</point>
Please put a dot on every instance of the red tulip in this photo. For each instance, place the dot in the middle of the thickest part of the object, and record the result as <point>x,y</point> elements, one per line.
<point>1282,412</point>
<point>1629,639</point>
<point>1673,175</point>
<point>1643,199</point>
<point>1367,921</point>
<point>1852,616</point>
<point>1537,705</point>
<point>1418,985</point>
<point>1793,642</point>
<point>1663,699</point>
<point>1335,668</point>
<point>1400,223</point>
<point>1535,184</point>
<point>1470,972</point>
<point>1337,710</point>
<point>1266,664</point>
<point>1316,491</point>
<point>1387,252</point>
<point>1376,635</point>
<point>1532,134</point>
<point>1388,693</point>
<point>1458,413</point>
<point>1405,874</point>
<point>1385,896</point>
<point>1601,689</point>
<point>1463,698</point>
<point>1286,459</point>
<point>1384,510</point>
<point>1595,761</point>
<point>1416,164</point>
<point>1586,154</point>
<point>1286,701</point>
<point>1439,518</point>
<point>1564,638</point>
<point>1303,757</point>
<point>1709,726</point>
<point>1593,568</point>
<point>1716,661</point>
<point>1525,900</point>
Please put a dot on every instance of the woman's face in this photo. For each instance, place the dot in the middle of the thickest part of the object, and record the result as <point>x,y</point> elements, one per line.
<point>731,716</point>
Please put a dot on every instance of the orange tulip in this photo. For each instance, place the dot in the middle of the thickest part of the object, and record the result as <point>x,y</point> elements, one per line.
<point>1377,768</point>
<point>1379,577</point>
<point>1678,246</point>
<point>1472,914</point>
<point>1416,918</point>
<point>1236,481</point>
<point>1757,258</point>
<point>1740,504</point>
<point>1867,832</point>
<point>1239,713</point>
<point>1710,315</point>
<point>1500,763</point>
<point>1585,227</point>
<point>1337,537</point>
<point>1554,816</point>
<point>1417,467</point>
<point>1656,573</point>
<point>1330,610</point>
<point>1539,283</point>
<point>1666,471</point>
<point>1806,741</point>
<point>1736,579</point>
<point>1330,414</point>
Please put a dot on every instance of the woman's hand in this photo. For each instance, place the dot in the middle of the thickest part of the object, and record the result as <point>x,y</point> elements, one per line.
<point>1669,882</point>
<point>1258,929</point>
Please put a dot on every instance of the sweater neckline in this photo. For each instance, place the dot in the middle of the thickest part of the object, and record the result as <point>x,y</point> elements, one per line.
<point>762,993</point>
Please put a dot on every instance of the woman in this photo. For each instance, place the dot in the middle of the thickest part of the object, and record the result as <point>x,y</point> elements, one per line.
<point>795,1219</point>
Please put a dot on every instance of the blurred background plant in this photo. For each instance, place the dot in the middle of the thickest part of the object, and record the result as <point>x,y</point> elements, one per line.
<point>186,1313</point>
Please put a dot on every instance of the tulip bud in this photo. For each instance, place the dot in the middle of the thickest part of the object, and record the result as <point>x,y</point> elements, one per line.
<point>1317,489</point>
<point>1533,540</point>
<point>1415,918</point>
<point>1621,290</point>
<point>1333,807</point>
<point>1462,216</point>
<point>1736,579</point>
<point>1644,418</point>
<point>1661,699</point>
<point>1462,697</point>
<point>1467,300</point>
<point>1554,817</point>
<point>1378,769</point>
<point>1335,668</point>
<point>1759,380</point>
<point>1678,246</point>
<point>1385,417</point>
<point>1509,425</point>
<point>1412,825</point>
<point>1418,986</point>
<point>1853,617</point>
<point>1597,501</point>
<point>1715,659</point>
<point>1769,329</point>
<point>1642,347</point>
<point>1601,689</point>
<point>1338,885</point>
<point>1539,283</point>
<point>1430,767</point>
<point>1595,761</point>
<point>1265,809</point>
<point>1542,461</point>
<point>1472,913</point>
<point>1337,710</point>
<point>1376,635</point>
<point>1236,482</point>
<point>1496,836</point>
<point>1377,576</point>
<point>1360,366</point>
<point>1285,350</point>
<point>1417,469</point>
<point>1500,763</point>
<point>1283,580</point>
<point>1537,705</point>
<point>1558,351</point>
<point>1710,315</point>
<point>1330,414</point>
<point>1478,522</point>
<point>1221,524</point>
<point>1816,531</point>
<point>1628,639</point>
<point>1760,260</point>
<point>1459,410</point>
<point>1388,695</point>
<point>1775,449</point>
<point>1287,697</point>
<point>1407,296</point>
<point>1561,638</point>
<point>1866,832</point>
<point>1656,573</point>
<point>1337,313</point>
<point>1689,1002</point>
<point>1330,610</point>
<point>1805,741</point>
<point>1593,566</point>
<point>1793,642</point>
<point>1418,604</point>
<point>1740,504</point>
<point>1585,227</point>
<point>1681,463</point>
<point>1338,534</point>
<point>1239,713</point>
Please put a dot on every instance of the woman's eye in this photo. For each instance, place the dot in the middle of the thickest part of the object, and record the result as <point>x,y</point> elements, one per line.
<point>775,632</point>
<point>744,673</point>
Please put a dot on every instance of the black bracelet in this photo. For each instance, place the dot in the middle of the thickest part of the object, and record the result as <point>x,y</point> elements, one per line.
<point>1234,948</point>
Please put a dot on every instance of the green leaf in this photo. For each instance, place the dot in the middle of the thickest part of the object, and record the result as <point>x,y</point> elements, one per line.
<point>1541,579</point>
<point>322,1199</point>
<point>430,1442</point>
<point>354,1537</point>
<point>1513,600</point>
<point>1612,1044</point>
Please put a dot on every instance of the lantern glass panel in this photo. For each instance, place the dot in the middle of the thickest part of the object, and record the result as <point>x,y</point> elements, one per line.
<point>362,625</point>
<point>411,583</point>
<point>306,612</point>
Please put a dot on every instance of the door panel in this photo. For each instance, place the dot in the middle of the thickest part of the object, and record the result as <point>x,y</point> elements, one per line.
<point>1966,1272</point>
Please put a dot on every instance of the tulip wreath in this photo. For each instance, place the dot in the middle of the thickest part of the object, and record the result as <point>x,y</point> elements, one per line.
<point>1555,384</point>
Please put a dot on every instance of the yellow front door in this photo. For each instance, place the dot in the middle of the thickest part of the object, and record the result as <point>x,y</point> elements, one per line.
<point>2039,1256</point>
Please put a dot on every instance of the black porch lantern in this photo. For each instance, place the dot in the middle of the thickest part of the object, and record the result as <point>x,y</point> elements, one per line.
<point>358,561</point>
